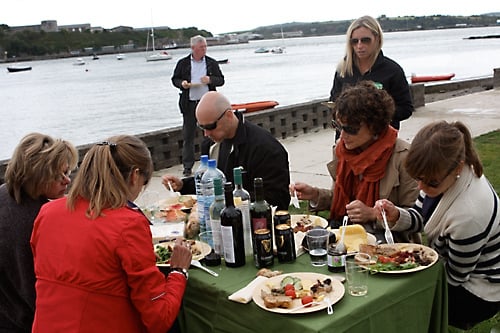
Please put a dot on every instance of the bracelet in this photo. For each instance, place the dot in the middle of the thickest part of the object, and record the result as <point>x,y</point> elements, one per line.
<point>179,270</point>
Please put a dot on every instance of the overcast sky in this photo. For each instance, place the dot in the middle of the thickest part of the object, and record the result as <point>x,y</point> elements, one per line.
<point>220,16</point>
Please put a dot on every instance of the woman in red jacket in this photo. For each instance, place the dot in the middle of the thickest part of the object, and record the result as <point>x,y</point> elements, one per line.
<point>93,254</point>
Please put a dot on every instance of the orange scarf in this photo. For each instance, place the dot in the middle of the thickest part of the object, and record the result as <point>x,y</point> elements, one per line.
<point>359,173</point>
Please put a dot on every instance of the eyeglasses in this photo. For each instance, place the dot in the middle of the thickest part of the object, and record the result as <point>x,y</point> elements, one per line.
<point>212,126</point>
<point>434,183</point>
<point>363,40</point>
<point>351,130</point>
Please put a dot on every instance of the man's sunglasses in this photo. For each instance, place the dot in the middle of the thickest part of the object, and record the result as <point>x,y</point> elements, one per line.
<point>212,126</point>
<point>364,40</point>
<point>351,130</point>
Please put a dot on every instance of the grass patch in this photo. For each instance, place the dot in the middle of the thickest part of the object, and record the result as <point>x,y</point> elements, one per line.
<point>488,146</point>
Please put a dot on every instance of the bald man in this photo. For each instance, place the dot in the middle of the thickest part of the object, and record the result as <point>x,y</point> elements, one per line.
<point>240,143</point>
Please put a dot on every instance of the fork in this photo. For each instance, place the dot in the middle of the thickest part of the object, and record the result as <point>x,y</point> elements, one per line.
<point>340,247</point>
<point>387,234</point>
<point>197,263</point>
<point>329,308</point>
<point>294,200</point>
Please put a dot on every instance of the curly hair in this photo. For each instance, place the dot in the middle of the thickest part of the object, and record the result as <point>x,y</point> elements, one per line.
<point>364,103</point>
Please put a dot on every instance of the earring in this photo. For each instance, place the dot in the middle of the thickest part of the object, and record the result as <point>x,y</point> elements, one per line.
<point>458,176</point>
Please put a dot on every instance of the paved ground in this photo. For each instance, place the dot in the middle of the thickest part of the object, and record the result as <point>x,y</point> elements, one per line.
<point>309,153</point>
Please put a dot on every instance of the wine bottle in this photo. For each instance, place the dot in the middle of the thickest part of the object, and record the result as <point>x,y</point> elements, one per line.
<point>232,230</point>
<point>215,209</point>
<point>242,202</point>
<point>262,226</point>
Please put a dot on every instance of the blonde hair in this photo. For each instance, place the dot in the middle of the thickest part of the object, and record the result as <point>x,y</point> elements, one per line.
<point>346,65</point>
<point>37,161</point>
<point>105,171</point>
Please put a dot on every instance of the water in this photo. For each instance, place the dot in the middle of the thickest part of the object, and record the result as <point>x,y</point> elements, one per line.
<point>318,257</point>
<point>105,97</point>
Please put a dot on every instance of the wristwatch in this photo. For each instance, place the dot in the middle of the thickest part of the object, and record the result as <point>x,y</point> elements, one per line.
<point>180,270</point>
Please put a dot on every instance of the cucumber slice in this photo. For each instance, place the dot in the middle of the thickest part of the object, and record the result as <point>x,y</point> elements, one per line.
<point>287,280</point>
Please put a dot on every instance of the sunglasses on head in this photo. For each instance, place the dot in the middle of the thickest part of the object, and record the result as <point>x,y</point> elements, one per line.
<point>363,40</point>
<point>212,126</point>
<point>351,130</point>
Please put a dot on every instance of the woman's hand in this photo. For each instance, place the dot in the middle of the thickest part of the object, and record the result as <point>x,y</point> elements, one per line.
<point>175,182</point>
<point>391,211</point>
<point>358,212</point>
<point>181,255</point>
<point>304,191</point>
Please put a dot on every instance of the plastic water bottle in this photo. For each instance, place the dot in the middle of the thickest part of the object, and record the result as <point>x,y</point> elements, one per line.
<point>242,202</point>
<point>197,181</point>
<point>207,191</point>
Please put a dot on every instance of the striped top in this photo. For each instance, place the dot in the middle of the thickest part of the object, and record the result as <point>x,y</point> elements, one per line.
<point>464,228</point>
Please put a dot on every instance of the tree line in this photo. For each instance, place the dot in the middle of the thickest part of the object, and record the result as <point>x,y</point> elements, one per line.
<point>32,44</point>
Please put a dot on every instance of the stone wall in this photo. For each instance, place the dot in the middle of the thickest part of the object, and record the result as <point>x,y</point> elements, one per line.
<point>166,145</point>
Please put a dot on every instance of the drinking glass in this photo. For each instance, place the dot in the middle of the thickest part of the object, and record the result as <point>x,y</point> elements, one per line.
<point>317,244</point>
<point>356,274</point>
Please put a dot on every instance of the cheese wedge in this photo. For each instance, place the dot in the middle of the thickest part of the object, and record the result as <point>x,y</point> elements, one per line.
<point>354,236</point>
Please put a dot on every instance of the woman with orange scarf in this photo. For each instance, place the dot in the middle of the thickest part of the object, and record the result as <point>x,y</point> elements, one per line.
<point>368,162</point>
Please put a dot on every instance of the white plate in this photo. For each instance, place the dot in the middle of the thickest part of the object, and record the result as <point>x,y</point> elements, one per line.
<point>204,248</point>
<point>314,220</point>
<point>335,295</point>
<point>413,247</point>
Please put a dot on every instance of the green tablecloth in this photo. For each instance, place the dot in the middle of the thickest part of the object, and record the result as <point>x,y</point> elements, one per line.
<point>414,302</point>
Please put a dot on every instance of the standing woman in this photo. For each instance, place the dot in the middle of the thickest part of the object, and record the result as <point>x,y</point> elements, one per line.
<point>37,172</point>
<point>94,260</point>
<point>459,212</point>
<point>364,60</point>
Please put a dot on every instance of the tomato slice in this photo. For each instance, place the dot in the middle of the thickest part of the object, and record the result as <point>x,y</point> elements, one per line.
<point>306,299</point>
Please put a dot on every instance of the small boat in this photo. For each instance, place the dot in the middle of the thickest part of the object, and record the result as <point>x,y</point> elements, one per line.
<point>254,106</point>
<point>277,50</point>
<point>429,78</point>
<point>262,50</point>
<point>18,68</point>
<point>79,62</point>
<point>120,56</point>
<point>223,61</point>
<point>95,57</point>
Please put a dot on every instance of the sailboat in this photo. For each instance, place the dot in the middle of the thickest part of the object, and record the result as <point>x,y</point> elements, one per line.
<point>154,55</point>
<point>280,49</point>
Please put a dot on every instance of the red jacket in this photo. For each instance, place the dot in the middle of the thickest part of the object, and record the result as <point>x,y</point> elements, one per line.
<point>99,275</point>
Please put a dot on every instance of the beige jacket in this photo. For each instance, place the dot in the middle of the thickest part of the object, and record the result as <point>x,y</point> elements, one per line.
<point>396,186</point>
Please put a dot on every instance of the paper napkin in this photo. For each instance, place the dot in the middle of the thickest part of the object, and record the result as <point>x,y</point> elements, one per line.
<point>244,295</point>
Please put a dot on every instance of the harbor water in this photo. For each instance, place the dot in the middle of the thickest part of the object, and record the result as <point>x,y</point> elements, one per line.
<point>104,97</point>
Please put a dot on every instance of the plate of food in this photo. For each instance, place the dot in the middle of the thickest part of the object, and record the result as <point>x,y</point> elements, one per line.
<point>290,293</point>
<point>164,250</point>
<point>399,258</point>
<point>305,222</point>
<point>175,208</point>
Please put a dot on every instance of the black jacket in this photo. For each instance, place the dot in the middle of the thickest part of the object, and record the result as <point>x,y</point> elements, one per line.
<point>260,155</point>
<point>392,77</point>
<point>182,72</point>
